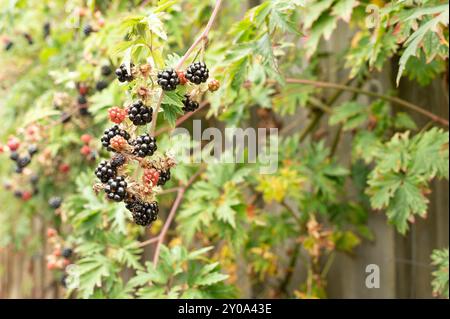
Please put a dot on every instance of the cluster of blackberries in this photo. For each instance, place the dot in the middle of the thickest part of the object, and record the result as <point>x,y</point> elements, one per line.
<point>197,73</point>
<point>122,73</point>
<point>140,114</point>
<point>116,189</point>
<point>144,145</point>
<point>189,105</point>
<point>23,161</point>
<point>168,79</point>
<point>108,134</point>
<point>143,213</point>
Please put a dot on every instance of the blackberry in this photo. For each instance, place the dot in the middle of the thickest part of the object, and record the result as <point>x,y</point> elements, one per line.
<point>139,114</point>
<point>84,111</point>
<point>110,133</point>
<point>122,73</point>
<point>101,85</point>
<point>87,30</point>
<point>67,252</point>
<point>144,145</point>
<point>29,38</point>
<point>23,161</point>
<point>18,194</point>
<point>164,176</point>
<point>32,149</point>
<point>168,79</point>
<point>189,105</point>
<point>118,160</point>
<point>19,170</point>
<point>197,72</point>
<point>116,189</point>
<point>143,213</point>
<point>106,70</point>
<point>105,171</point>
<point>55,202</point>
<point>9,45</point>
<point>14,156</point>
<point>34,179</point>
<point>46,29</point>
<point>82,100</point>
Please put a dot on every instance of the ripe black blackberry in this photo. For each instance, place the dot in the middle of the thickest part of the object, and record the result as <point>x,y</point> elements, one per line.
<point>101,85</point>
<point>144,145</point>
<point>34,179</point>
<point>67,252</point>
<point>164,176</point>
<point>105,171</point>
<point>189,105</point>
<point>9,45</point>
<point>84,111</point>
<point>168,79</point>
<point>82,100</point>
<point>23,161</point>
<point>118,160</point>
<point>14,156</point>
<point>143,213</point>
<point>87,30</point>
<point>140,114</point>
<point>116,189</point>
<point>106,70</point>
<point>55,202</point>
<point>46,29</point>
<point>108,134</point>
<point>122,73</point>
<point>197,72</point>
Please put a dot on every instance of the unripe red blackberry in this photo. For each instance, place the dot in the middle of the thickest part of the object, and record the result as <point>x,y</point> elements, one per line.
<point>85,150</point>
<point>150,177</point>
<point>116,189</point>
<point>144,145</point>
<point>164,177</point>
<point>26,195</point>
<point>182,77</point>
<point>213,85</point>
<point>105,171</point>
<point>118,143</point>
<point>143,213</point>
<point>13,144</point>
<point>168,79</point>
<point>189,105</point>
<point>108,134</point>
<point>86,138</point>
<point>197,72</point>
<point>140,114</point>
<point>117,115</point>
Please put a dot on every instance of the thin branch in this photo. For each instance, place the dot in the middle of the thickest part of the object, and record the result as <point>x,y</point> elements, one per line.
<point>171,216</point>
<point>203,36</point>
<point>392,99</point>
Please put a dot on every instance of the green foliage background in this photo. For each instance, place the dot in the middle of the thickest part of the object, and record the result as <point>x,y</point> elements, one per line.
<point>258,53</point>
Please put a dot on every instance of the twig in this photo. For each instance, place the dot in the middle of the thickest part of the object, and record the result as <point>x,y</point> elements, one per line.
<point>160,238</point>
<point>392,99</point>
<point>203,36</point>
